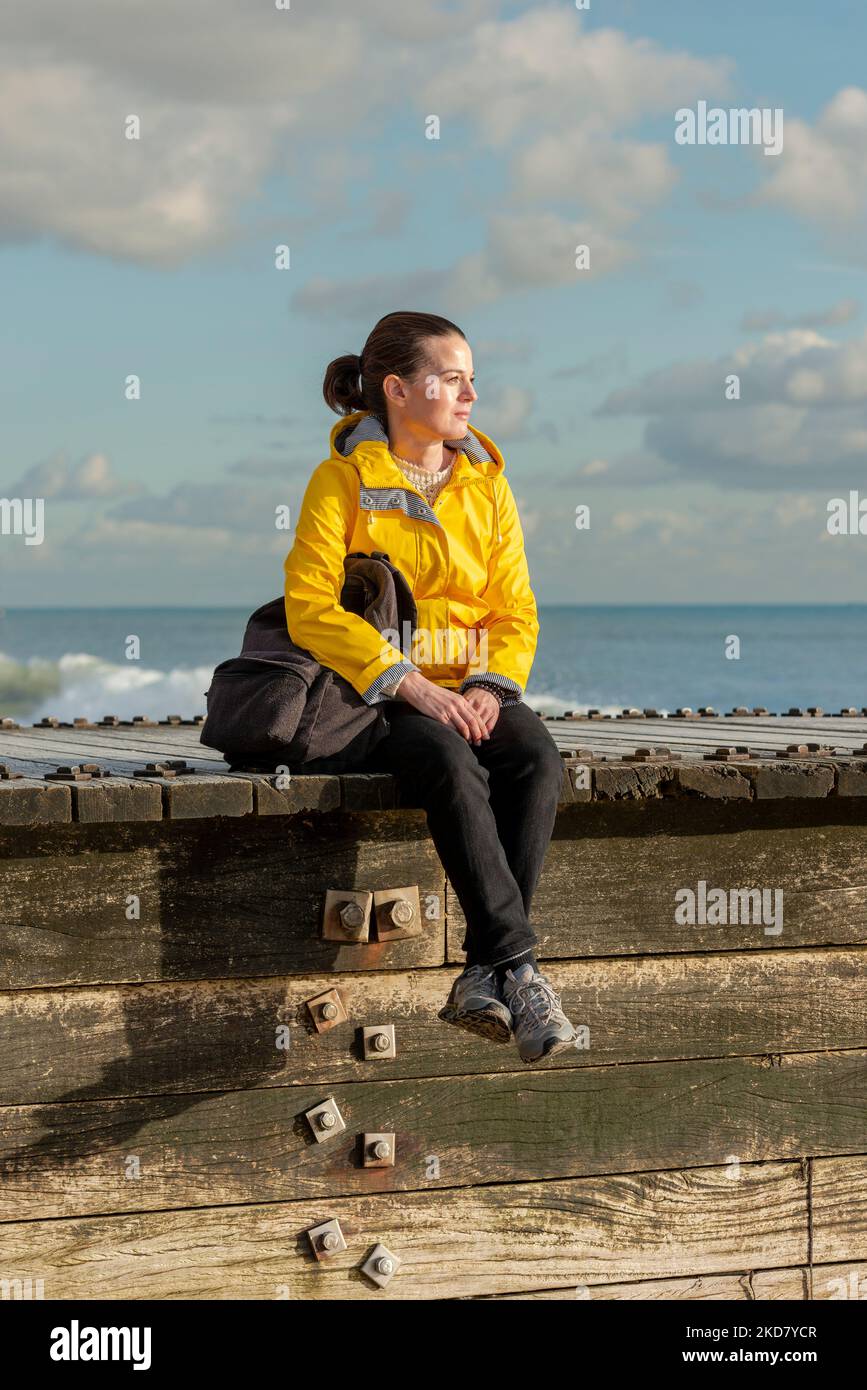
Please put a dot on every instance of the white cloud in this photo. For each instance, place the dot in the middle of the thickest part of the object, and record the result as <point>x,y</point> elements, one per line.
<point>226,93</point>
<point>764,320</point>
<point>61,481</point>
<point>822,176</point>
<point>544,69</point>
<point>201,506</point>
<point>613,179</point>
<point>229,95</point>
<point>188,545</point>
<point>802,412</point>
<point>508,409</point>
<point>523,250</point>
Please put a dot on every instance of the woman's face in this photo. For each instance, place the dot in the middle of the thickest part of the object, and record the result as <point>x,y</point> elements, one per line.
<point>436,403</point>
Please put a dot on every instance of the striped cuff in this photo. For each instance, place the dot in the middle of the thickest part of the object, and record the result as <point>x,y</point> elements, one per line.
<point>508,691</point>
<point>381,688</point>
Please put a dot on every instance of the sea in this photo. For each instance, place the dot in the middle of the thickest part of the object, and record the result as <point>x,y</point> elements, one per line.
<point>81,662</point>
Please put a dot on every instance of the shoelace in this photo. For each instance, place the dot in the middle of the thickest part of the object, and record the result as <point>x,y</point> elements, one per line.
<point>546,997</point>
<point>479,972</point>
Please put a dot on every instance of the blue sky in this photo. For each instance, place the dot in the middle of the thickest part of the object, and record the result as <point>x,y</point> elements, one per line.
<point>306,127</point>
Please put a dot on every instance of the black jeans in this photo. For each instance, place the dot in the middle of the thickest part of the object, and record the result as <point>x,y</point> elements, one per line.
<point>490,811</point>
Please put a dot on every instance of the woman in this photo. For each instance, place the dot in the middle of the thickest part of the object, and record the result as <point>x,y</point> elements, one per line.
<point>408,476</point>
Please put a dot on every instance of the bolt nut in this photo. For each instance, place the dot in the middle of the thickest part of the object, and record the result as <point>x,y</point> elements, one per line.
<point>329,1241</point>
<point>380,1149</point>
<point>384,1265</point>
<point>381,1042</point>
<point>402,912</point>
<point>326,1120</point>
<point>328,1010</point>
<point>352,916</point>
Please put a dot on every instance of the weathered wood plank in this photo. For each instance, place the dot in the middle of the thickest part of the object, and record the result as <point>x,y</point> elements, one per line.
<point>745,1287</point>
<point>215,901</point>
<point>244,898</point>
<point>74,1158</point>
<point>176,1038</point>
<point>839,1209</point>
<point>504,1237</point>
<point>26,800</point>
<point>35,751</point>
<point>611,874</point>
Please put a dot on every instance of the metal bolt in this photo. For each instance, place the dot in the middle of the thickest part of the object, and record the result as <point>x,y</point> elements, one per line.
<point>384,1265</point>
<point>352,916</point>
<point>402,912</point>
<point>329,1241</point>
<point>380,1149</point>
<point>66,773</point>
<point>328,1010</point>
<point>381,1042</point>
<point>326,1120</point>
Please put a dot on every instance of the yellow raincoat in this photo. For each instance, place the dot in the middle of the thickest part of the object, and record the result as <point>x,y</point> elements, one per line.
<point>463,560</point>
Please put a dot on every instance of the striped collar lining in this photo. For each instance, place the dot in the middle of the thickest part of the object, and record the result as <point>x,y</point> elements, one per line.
<point>369,430</point>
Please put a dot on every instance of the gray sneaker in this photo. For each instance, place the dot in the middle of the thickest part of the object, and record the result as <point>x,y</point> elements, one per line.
<point>474,1003</point>
<point>541,1027</point>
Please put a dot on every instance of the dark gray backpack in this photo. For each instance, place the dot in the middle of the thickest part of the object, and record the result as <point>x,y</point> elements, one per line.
<point>276,705</point>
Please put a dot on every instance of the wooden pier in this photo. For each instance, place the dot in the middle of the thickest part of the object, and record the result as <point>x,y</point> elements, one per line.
<point>161,941</point>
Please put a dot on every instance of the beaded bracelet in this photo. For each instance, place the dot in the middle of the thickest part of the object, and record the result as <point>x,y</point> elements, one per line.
<point>500,695</point>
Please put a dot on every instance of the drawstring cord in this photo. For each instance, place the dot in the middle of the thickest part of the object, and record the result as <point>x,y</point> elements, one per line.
<point>497,511</point>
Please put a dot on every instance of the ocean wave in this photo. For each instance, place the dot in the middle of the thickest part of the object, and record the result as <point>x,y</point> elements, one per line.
<point>80,685</point>
<point>547,703</point>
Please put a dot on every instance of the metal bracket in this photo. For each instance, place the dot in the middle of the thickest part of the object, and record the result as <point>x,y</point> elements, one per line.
<point>381,1265</point>
<point>78,772</point>
<point>327,1010</point>
<point>325,1120</point>
<point>173,767</point>
<point>346,915</point>
<point>377,1150</point>
<point>398,913</point>
<point>326,1239</point>
<point>379,1042</point>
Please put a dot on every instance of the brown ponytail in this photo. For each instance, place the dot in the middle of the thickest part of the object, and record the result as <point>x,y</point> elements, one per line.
<point>341,385</point>
<point>396,345</point>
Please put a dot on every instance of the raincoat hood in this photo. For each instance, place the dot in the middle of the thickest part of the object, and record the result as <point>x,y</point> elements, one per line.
<point>361,439</point>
